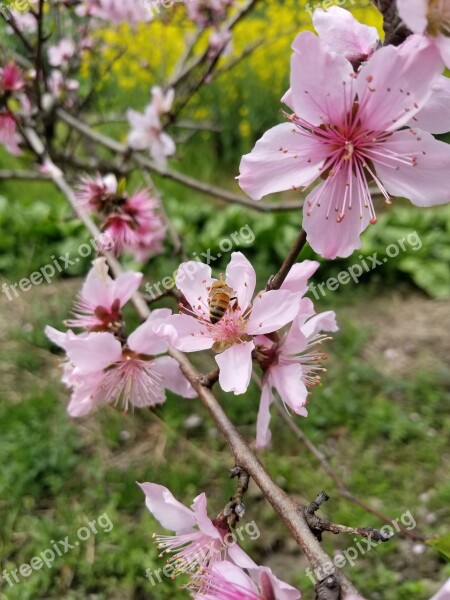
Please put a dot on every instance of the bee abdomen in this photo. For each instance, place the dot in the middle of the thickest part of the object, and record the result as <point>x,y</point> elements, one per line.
<point>217,310</point>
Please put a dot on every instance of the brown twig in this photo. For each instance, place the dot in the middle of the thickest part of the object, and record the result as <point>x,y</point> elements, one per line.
<point>395,30</point>
<point>25,175</point>
<point>210,378</point>
<point>276,281</point>
<point>235,509</point>
<point>38,56</point>
<point>12,23</point>
<point>318,525</point>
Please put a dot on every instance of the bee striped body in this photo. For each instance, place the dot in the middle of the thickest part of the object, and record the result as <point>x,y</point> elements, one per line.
<point>220,296</point>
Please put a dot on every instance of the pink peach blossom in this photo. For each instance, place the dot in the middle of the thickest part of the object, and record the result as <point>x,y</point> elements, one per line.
<point>226,581</point>
<point>102,371</point>
<point>11,79</point>
<point>199,541</point>
<point>345,35</point>
<point>443,593</point>
<point>162,100</point>
<point>93,192</point>
<point>135,226</point>
<point>147,134</point>
<point>101,299</point>
<point>8,133</point>
<point>58,84</point>
<point>349,130</point>
<point>291,365</point>
<point>431,18</point>
<point>232,336</point>
<point>117,11</point>
<point>60,54</point>
<point>25,21</point>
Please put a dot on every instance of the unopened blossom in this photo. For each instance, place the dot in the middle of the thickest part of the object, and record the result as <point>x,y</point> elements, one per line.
<point>431,18</point>
<point>147,133</point>
<point>11,79</point>
<point>347,132</point>
<point>226,581</point>
<point>198,541</point>
<point>60,54</point>
<point>9,138</point>
<point>99,304</point>
<point>232,336</point>
<point>443,593</point>
<point>292,365</point>
<point>99,370</point>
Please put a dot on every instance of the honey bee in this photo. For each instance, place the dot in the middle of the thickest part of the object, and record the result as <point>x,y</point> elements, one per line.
<point>220,298</point>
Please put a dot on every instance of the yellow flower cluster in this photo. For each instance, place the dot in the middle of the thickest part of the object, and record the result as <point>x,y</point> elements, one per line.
<point>152,51</point>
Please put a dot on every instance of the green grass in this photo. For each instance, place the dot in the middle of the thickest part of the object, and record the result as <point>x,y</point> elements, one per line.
<point>386,437</point>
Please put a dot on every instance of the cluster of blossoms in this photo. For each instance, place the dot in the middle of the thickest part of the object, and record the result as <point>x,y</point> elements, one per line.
<point>147,131</point>
<point>205,549</point>
<point>361,115</point>
<point>104,366</point>
<point>130,224</point>
<point>12,83</point>
<point>251,330</point>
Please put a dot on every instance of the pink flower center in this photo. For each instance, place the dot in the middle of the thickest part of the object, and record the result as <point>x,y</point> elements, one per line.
<point>131,380</point>
<point>350,149</point>
<point>310,359</point>
<point>193,551</point>
<point>229,330</point>
<point>96,318</point>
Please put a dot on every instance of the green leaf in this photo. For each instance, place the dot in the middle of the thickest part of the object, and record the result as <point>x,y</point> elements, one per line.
<point>442,545</point>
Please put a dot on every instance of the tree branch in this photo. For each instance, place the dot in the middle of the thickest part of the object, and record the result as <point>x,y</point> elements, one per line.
<point>276,281</point>
<point>190,182</point>
<point>395,30</point>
